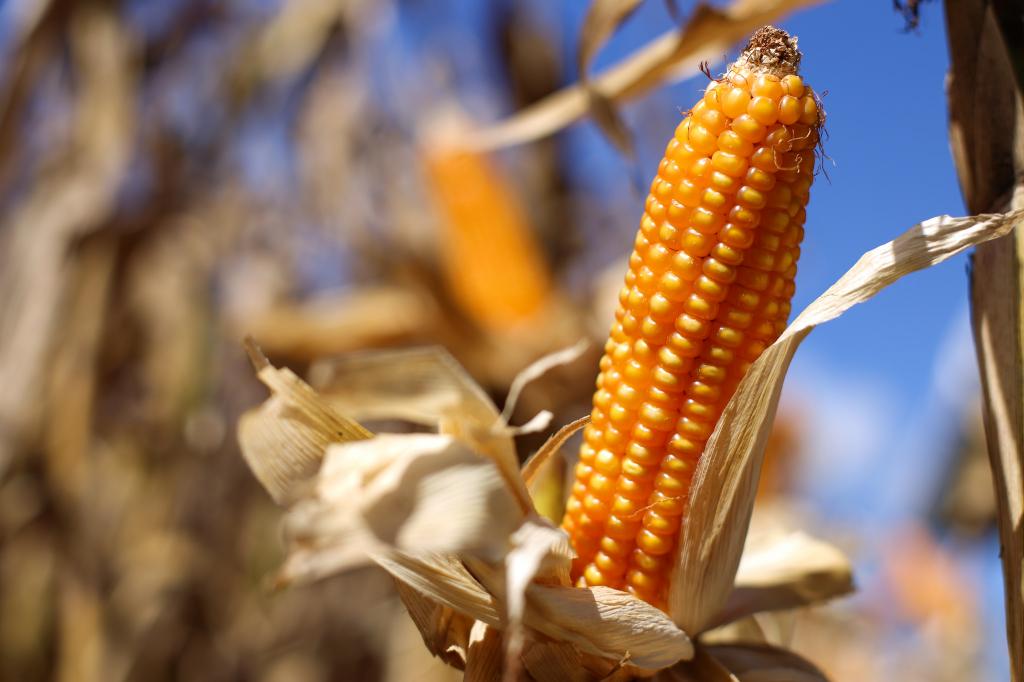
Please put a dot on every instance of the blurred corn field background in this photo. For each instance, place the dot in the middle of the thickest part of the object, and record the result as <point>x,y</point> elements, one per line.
<point>177,175</point>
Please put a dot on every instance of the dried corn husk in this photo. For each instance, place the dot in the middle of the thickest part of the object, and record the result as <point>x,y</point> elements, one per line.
<point>518,585</point>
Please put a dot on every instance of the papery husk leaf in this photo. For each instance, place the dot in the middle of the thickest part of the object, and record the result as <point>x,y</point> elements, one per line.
<point>986,134</point>
<point>443,579</point>
<point>772,628</point>
<point>551,448</point>
<point>484,656</point>
<point>444,631</point>
<point>420,385</point>
<point>599,621</point>
<point>540,551</point>
<point>390,491</point>
<point>708,35</point>
<point>538,422</point>
<point>554,662</point>
<point>284,439</point>
<point>722,495</point>
<point>536,370</point>
<point>787,572</point>
<point>743,631</point>
<point>607,623</point>
<point>423,385</point>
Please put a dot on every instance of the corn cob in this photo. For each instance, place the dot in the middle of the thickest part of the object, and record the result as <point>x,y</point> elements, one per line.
<point>708,288</point>
<point>493,265</point>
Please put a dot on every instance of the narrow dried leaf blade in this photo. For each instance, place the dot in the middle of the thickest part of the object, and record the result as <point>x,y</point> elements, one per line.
<point>603,18</point>
<point>551,448</point>
<point>725,483</point>
<point>709,34</point>
<point>539,552</point>
<point>537,369</point>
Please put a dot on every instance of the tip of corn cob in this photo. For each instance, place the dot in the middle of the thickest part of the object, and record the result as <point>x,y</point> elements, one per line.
<point>773,50</point>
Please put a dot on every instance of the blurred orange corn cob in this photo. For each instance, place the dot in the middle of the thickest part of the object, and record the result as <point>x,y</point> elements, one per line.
<point>492,263</point>
<point>708,289</point>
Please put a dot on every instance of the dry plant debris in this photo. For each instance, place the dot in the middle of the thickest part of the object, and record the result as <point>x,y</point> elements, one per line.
<point>490,590</point>
<point>709,33</point>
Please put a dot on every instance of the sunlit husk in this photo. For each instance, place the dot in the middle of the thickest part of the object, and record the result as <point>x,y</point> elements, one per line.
<point>515,581</point>
<point>284,440</point>
<point>426,386</point>
<point>725,484</point>
<point>388,492</point>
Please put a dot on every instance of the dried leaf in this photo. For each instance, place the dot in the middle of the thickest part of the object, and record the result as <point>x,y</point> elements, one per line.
<point>424,385</point>
<point>986,118</point>
<point>599,621</point>
<point>551,448</point>
<point>73,193</point>
<point>743,663</point>
<point>986,132</point>
<point>766,664</point>
<point>606,116</point>
<point>539,551</point>
<point>554,662</point>
<point>389,492</point>
<point>446,581</point>
<point>284,439</point>
<point>787,572</point>
<point>445,632</point>
<point>537,369</point>
<point>607,623</point>
<point>709,34</point>
<point>725,483</point>
<point>484,656</point>
<point>603,18</point>
<point>703,668</point>
<point>340,322</point>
